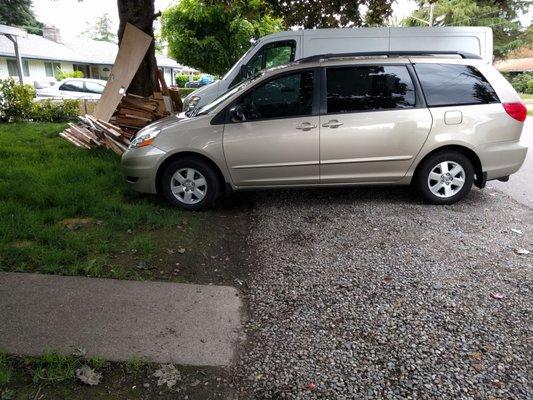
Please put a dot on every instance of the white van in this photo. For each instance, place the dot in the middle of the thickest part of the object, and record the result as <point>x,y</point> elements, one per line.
<point>284,47</point>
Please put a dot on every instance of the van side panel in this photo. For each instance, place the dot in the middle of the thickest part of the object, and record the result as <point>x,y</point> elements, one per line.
<point>322,41</point>
<point>476,40</point>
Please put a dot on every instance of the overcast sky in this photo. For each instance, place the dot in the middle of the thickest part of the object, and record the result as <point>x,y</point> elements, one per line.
<point>72,16</point>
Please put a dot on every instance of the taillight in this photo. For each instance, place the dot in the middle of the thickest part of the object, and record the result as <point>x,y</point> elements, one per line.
<point>516,110</point>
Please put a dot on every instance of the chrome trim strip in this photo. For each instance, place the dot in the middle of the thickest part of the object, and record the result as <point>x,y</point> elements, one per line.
<point>369,159</point>
<point>274,165</point>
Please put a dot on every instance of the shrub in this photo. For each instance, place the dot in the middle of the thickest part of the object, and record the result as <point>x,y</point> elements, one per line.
<point>60,74</point>
<point>17,104</point>
<point>16,100</point>
<point>55,111</point>
<point>181,80</point>
<point>523,83</point>
<point>185,91</point>
<point>529,87</point>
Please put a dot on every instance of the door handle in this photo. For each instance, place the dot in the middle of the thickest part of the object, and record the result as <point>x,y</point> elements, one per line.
<point>306,126</point>
<point>332,124</point>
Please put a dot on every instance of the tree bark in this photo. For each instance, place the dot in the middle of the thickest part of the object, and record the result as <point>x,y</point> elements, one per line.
<point>141,14</point>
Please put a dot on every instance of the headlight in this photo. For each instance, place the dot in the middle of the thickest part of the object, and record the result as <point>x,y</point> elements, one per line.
<point>144,138</point>
<point>192,102</point>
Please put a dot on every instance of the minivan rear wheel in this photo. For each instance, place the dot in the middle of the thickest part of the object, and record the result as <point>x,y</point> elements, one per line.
<point>445,177</point>
<point>190,183</point>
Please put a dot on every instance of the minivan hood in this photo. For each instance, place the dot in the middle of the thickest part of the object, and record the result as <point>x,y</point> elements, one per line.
<point>176,123</point>
<point>167,121</point>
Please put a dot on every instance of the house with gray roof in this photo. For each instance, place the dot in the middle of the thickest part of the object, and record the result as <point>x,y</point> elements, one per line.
<point>42,55</point>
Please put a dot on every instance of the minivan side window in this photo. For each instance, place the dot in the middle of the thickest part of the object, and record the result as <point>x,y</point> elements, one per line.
<point>369,88</point>
<point>289,95</point>
<point>454,84</point>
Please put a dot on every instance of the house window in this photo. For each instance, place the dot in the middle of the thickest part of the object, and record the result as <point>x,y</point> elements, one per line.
<point>51,68</point>
<point>25,68</point>
<point>13,70</point>
<point>82,68</point>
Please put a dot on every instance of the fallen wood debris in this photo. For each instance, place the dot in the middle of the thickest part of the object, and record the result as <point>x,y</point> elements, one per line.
<point>91,132</point>
<point>132,114</point>
<point>113,126</point>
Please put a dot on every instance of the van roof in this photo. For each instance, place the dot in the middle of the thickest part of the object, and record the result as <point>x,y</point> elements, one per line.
<point>323,57</point>
<point>382,59</point>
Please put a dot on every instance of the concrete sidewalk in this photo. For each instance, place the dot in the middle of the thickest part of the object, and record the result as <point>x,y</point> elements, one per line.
<point>115,319</point>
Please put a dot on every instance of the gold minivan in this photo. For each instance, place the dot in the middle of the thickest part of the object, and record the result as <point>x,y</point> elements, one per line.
<point>441,122</point>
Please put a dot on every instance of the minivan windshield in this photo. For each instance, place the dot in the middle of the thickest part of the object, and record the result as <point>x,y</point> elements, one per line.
<point>226,95</point>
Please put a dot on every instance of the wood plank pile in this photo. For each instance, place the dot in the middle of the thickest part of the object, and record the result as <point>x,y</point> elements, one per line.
<point>132,114</point>
<point>91,132</point>
<point>135,112</point>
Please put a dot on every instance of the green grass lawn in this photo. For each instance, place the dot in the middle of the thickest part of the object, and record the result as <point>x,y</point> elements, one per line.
<point>526,96</point>
<point>65,210</point>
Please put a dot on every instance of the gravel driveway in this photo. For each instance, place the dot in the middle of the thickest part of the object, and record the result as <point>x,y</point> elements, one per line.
<point>367,293</point>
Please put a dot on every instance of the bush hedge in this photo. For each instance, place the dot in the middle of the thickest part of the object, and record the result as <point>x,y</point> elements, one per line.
<point>60,74</point>
<point>181,80</point>
<point>186,91</point>
<point>17,104</point>
<point>523,83</point>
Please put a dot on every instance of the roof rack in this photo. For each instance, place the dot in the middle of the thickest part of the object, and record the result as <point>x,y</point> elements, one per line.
<point>319,57</point>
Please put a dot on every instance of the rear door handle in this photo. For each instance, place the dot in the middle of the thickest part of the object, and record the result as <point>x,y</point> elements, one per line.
<point>332,124</point>
<point>306,126</point>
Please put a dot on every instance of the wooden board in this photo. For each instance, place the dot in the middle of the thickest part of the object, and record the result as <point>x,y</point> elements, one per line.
<point>132,49</point>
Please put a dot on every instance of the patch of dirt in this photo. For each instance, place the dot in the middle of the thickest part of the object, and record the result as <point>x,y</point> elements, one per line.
<point>75,224</point>
<point>120,382</point>
<point>206,248</point>
<point>218,254</point>
<point>21,244</point>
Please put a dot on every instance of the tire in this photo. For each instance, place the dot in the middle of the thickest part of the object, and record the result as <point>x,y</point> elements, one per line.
<point>444,187</point>
<point>194,191</point>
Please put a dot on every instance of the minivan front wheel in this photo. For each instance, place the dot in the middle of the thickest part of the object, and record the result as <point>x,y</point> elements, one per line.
<point>445,177</point>
<point>190,183</point>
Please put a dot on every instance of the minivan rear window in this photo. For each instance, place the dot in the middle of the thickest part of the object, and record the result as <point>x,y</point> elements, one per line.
<point>454,84</point>
<point>369,88</point>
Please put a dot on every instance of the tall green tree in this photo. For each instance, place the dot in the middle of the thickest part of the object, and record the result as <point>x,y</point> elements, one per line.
<point>500,15</point>
<point>19,13</point>
<point>101,30</point>
<point>211,35</point>
<point>332,13</point>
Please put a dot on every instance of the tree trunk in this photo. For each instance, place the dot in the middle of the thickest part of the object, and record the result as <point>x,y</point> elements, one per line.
<point>141,14</point>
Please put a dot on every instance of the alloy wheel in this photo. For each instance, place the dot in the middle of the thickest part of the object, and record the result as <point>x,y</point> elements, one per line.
<point>188,186</point>
<point>446,179</point>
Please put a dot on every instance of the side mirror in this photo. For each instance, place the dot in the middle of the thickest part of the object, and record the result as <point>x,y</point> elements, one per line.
<point>236,114</point>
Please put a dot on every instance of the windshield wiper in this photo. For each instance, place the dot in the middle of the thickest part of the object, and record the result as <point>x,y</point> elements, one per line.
<point>192,113</point>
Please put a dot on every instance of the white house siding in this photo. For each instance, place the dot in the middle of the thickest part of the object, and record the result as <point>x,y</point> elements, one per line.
<point>168,76</point>
<point>3,68</point>
<point>36,68</point>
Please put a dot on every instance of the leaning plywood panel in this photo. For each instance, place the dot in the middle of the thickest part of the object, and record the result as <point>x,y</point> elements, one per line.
<point>132,49</point>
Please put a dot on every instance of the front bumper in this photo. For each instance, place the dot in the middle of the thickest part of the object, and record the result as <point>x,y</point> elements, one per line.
<point>139,167</point>
<point>502,158</point>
